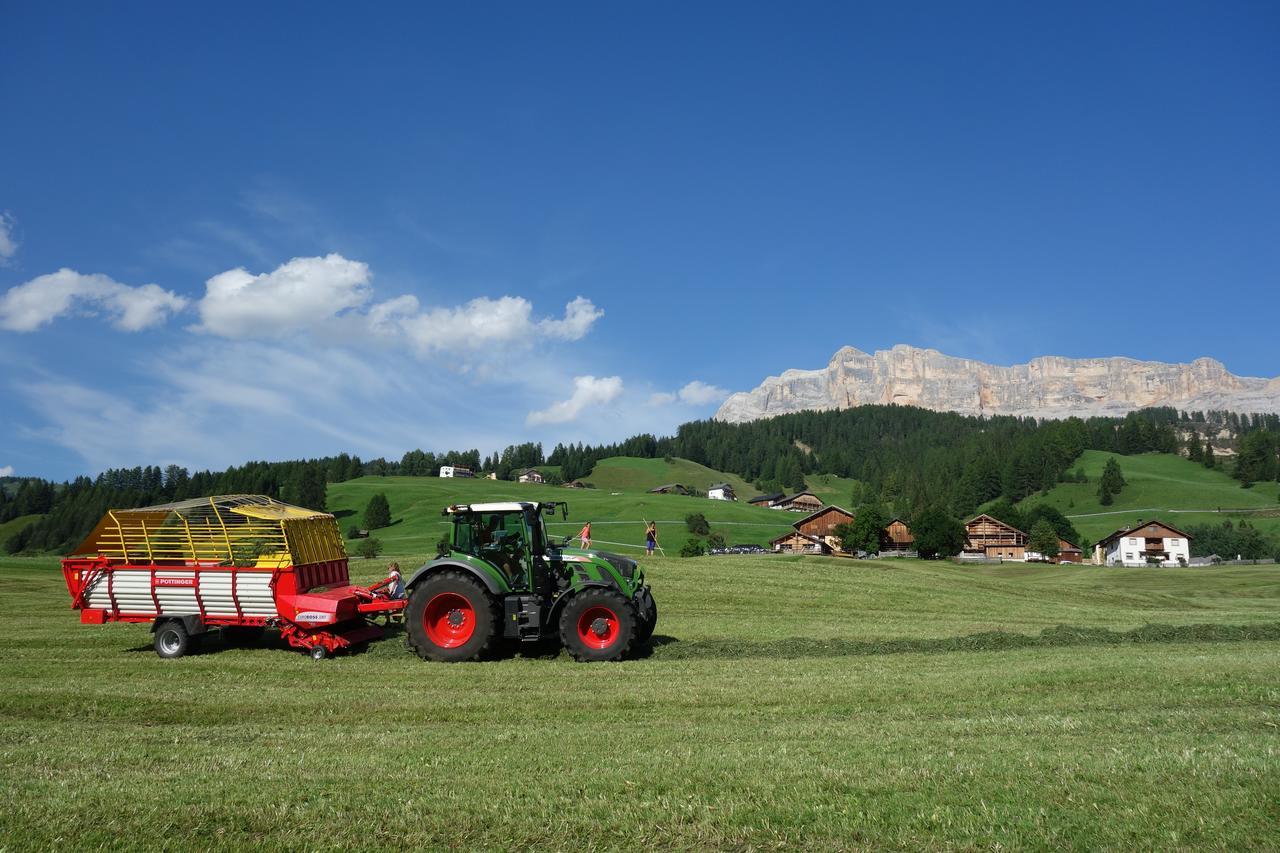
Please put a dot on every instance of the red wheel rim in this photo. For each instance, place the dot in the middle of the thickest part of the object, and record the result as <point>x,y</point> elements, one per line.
<point>449,620</point>
<point>598,627</point>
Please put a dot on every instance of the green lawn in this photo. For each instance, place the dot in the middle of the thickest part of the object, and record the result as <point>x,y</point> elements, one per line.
<point>633,474</point>
<point>617,520</point>
<point>790,702</point>
<point>1161,486</point>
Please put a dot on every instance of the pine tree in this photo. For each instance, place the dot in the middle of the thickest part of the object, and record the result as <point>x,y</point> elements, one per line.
<point>378,513</point>
<point>1043,539</point>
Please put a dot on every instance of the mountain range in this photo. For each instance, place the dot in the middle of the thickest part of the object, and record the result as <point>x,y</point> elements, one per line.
<point>1045,387</point>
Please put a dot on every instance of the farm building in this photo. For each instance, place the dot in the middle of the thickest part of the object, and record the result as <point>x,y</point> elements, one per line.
<point>1152,543</point>
<point>531,475</point>
<point>766,500</point>
<point>896,538</point>
<point>575,484</point>
<point>455,471</point>
<point>1069,553</point>
<point>799,502</point>
<point>721,492</point>
<point>670,489</point>
<point>993,539</point>
<point>796,542</point>
<point>823,522</point>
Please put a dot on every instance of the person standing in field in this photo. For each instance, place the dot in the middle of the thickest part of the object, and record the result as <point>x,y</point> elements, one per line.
<point>651,537</point>
<point>585,535</point>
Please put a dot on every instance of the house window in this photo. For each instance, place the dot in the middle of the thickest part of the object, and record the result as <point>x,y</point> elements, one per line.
<point>1173,543</point>
<point>1133,541</point>
<point>1128,556</point>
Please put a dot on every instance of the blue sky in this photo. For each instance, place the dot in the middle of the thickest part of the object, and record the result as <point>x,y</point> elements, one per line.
<point>279,230</point>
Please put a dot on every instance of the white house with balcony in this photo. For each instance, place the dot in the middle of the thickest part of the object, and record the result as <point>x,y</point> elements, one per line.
<point>1151,543</point>
<point>721,492</point>
<point>455,471</point>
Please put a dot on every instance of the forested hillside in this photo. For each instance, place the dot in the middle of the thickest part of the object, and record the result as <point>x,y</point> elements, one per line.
<point>906,458</point>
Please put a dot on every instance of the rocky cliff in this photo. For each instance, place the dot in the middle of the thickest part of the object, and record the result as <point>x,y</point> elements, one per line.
<point>1048,387</point>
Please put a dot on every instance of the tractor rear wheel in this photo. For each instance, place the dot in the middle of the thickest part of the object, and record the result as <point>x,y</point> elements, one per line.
<point>598,625</point>
<point>451,617</point>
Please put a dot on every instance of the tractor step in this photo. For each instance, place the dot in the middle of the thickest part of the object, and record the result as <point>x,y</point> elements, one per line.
<point>522,617</point>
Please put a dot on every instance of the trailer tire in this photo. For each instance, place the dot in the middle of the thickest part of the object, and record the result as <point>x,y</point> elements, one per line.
<point>598,625</point>
<point>172,639</point>
<point>318,653</point>
<point>451,617</point>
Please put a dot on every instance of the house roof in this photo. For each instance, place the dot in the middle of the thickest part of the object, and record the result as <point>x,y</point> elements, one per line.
<point>992,518</point>
<point>770,498</point>
<point>813,539</point>
<point>528,471</point>
<point>720,486</point>
<point>1070,545</point>
<point>668,487</point>
<point>801,494</point>
<point>1128,530</point>
<point>822,511</point>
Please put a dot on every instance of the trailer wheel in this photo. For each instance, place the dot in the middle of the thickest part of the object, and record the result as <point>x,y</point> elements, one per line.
<point>319,653</point>
<point>451,618</point>
<point>172,639</point>
<point>598,625</point>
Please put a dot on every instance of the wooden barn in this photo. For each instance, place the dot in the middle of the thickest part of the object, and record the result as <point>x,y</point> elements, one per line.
<point>993,539</point>
<point>823,522</point>
<point>766,500</point>
<point>799,502</point>
<point>896,538</point>
<point>1069,553</point>
<point>670,489</point>
<point>795,542</point>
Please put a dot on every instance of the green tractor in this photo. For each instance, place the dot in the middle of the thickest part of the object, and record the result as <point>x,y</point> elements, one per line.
<point>500,576</point>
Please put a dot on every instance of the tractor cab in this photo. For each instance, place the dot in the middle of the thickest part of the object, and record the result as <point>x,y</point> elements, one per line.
<point>509,536</point>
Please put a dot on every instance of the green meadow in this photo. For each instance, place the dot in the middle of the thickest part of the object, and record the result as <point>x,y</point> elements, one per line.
<point>820,703</point>
<point>1162,486</point>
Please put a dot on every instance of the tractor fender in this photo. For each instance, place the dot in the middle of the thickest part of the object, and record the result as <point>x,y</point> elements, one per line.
<point>440,565</point>
<point>193,623</point>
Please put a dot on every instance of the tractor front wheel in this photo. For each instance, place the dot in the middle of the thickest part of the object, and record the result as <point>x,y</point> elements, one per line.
<point>648,621</point>
<point>598,625</point>
<point>451,617</point>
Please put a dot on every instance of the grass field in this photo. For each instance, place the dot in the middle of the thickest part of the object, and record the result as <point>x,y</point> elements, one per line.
<point>634,474</point>
<point>617,520</point>
<point>1162,486</point>
<point>804,702</point>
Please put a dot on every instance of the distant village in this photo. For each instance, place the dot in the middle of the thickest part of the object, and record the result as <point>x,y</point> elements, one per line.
<point>987,539</point>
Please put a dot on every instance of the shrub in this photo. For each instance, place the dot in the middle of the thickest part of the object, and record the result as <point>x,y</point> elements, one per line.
<point>369,548</point>
<point>715,540</point>
<point>353,532</point>
<point>692,548</point>
<point>697,524</point>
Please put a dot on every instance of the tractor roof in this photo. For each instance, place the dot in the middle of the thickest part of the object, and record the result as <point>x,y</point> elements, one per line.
<point>511,506</point>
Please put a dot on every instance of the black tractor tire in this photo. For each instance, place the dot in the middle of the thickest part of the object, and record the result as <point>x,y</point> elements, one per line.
<point>451,617</point>
<point>598,625</point>
<point>647,622</point>
<point>242,635</point>
<point>172,639</point>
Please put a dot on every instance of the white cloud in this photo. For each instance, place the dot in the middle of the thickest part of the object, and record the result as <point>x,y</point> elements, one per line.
<point>578,317</point>
<point>8,243</point>
<point>695,393</point>
<point>6,470</point>
<point>587,391</point>
<point>297,294</point>
<point>698,393</point>
<point>38,302</point>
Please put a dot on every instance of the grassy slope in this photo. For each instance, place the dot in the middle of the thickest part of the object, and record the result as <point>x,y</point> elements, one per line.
<point>13,526</point>
<point>1160,486</point>
<point>617,520</point>
<point>633,474</point>
<point>814,703</point>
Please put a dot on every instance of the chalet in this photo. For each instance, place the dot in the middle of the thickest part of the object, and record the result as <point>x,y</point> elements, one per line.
<point>1068,552</point>
<point>823,523</point>
<point>1153,543</point>
<point>799,502</point>
<point>993,539</point>
<point>575,484</point>
<point>531,475</point>
<point>766,500</point>
<point>455,471</point>
<point>492,475</point>
<point>670,489</point>
<point>795,542</point>
<point>896,538</point>
<point>721,492</point>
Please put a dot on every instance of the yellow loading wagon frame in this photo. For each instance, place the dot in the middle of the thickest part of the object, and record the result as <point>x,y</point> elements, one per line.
<point>226,530</point>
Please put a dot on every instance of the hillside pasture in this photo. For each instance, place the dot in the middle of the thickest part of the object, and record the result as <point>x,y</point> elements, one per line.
<point>1164,486</point>
<point>811,702</point>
